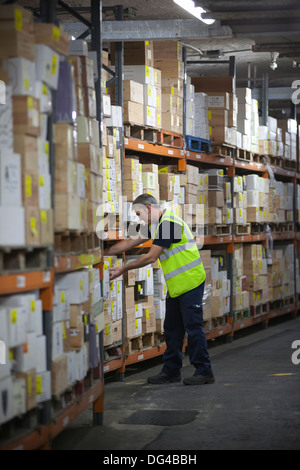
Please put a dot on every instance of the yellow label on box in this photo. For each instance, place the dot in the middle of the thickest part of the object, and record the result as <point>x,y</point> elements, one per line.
<point>33,305</point>
<point>136,324</point>
<point>148,111</point>
<point>139,287</point>
<point>62,297</point>
<point>209,115</point>
<point>39,385</point>
<point>147,71</point>
<point>33,226</point>
<point>146,43</point>
<point>81,284</point>
<point>64,334</point>
<point>14,316</point>
<point>54,65</point>
<point>158,119</point>
<point>41,181</point>
<point>107,329</point>
<point>26,84</point>
<point>56,33</point>
<point>172,90</point>
<point>147,314</point>
<point>18,19</point>
<point>29,102</point>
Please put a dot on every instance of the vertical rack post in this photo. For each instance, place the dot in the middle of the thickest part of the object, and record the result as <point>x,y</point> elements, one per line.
<point>119,63</point>
<point>96,23</point>
<point>48,15</point>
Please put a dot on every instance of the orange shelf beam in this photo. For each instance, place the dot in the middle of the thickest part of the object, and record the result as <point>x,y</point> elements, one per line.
<point>154,149</point>
<point>74,262</point>
<point>15,283</point>
<point>211,159</point>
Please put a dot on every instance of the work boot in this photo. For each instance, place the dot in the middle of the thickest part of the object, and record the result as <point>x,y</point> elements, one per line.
<point>199,380</point>
<point>163,378</point>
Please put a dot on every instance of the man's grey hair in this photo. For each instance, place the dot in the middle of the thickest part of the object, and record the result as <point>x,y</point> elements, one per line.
<point>145,200</point>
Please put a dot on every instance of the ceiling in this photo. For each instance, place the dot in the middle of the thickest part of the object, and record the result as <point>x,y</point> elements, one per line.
<point>273,25</point>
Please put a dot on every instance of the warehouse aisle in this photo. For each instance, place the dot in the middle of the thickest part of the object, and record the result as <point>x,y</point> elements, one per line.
<point>254,403</point>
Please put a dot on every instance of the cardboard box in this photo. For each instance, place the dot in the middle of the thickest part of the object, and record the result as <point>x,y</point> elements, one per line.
<point>216,198</point>
<point>149,324</point>
<point>133,91</point>
<point>59,374</point>
<point>17,44</point>
<point>32,225</point>
<point>52,36</point>
<point>134,112</point>
<point>47,65</point>
<point>21,76</point>
<point>10,179</point>
<point>211,84</point>
<point>28,147</point>
<point>16,18</point>
<point>67,212</point>
<point>116,331</point>
<point>26,115</point>
<point>136,53</point>
<point>167,50</point>
<point>30,378</point>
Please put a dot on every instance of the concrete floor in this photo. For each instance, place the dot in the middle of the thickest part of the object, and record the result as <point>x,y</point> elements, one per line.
<point>254,403</point>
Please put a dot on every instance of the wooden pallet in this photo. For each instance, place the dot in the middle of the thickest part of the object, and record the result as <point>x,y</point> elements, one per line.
<point>19,425</point>
<point>140,343</point>
<point>275,161</point>
<point>290,164</point>
<point>244,155</point>
<point>74,241</point>
<point>216,322</point>
<point>196,144</point>
<point>223,150</point>
<point>136,131</point>
<point>218,230</point>
<point>241,314</point>
<point>258,158</point>
<point>257,228</point>
<point>25,259</point>
<point>170,139</point>
<point>282,227</point>
<point>242,229</point>
<point>261,309</point>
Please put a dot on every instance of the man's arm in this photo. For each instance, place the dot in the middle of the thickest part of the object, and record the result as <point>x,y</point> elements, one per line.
<point>144,260</point>
<point>123,245</point>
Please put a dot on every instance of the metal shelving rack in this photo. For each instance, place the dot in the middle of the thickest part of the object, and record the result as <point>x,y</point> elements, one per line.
<point>50,426</point>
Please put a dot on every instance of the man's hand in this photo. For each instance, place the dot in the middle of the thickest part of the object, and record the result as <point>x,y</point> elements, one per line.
<point>116,272</point>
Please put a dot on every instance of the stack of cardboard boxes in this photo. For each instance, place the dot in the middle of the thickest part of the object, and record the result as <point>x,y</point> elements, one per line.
<point>112,302</point>
<point>25,186</point>
<point>168,60</point>
<point>112,168</point>
<point>281,273</point>
<point>281,202</point>
<point>240,293</point>
<point>222,107</point>
<point>289,138</point>
<point>255,270</point>
<point>24,379</point>
<point>220,287</point>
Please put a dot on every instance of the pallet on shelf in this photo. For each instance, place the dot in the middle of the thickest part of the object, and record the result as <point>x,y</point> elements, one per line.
<point>257,228</point>
<point>275,160</point>
<point>24,259</point>
<point>217,230</point>
<point>260,309</point>
<point>170,139</point>
<point>139,343</point>
<point>281,227</point>
<point>239,315</point>
<point>223,150</point>
<point>244,229</point>
<point>289,164</point>
<point>136,131</point>
<point>244,155</point>
<point>197,144</point>
<point>75,241</point>
<point>216,322</point>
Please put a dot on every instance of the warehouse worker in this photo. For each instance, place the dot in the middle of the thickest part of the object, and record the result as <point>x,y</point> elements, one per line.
<point>184,273</point>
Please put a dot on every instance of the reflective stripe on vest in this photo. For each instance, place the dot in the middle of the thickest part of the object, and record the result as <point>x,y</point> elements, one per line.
<point>182,269</point>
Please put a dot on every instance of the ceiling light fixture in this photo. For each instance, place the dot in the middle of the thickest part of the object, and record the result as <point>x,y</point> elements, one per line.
<point>274,57</point>
<point>189,6</point>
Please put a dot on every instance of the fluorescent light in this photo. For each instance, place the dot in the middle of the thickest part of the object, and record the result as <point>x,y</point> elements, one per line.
<point>189,6</point>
